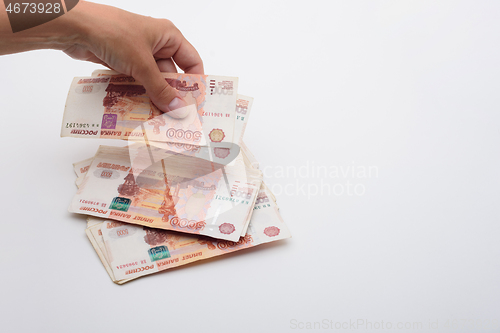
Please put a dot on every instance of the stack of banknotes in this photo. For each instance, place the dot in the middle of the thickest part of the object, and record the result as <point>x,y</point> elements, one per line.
<point>185,188</point>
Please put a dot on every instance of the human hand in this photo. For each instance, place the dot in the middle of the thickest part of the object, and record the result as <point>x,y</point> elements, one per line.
<point>135,45</point>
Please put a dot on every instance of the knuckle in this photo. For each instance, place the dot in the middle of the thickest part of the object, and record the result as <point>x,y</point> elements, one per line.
<point>167,24</point>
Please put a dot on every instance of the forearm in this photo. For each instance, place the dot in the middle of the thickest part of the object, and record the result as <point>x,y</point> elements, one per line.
<point>60,33</point>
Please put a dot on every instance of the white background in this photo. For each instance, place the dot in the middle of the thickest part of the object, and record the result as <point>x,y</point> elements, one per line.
<point>408,88</point>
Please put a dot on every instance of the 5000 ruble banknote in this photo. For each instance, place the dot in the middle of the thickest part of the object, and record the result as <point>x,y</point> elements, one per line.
<point>128,251</point>
<point>117,107</point>
<point>177,194</point>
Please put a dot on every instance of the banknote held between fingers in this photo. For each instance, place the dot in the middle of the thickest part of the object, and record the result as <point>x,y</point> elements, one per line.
<point>165,97</point>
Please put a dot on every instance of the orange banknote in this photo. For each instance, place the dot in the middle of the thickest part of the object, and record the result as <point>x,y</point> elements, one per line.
<point>178,193</point>
<point>117,107</point>
<point>128,251</point>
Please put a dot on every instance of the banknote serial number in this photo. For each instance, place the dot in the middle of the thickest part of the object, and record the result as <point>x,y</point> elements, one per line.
<point>33,8</point>
<point>80,125</point>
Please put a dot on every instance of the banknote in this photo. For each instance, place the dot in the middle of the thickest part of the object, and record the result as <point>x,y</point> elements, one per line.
<point>245,158</point>
<point>243,107</point>
<point>222,153</point>
<point>242,161</point>
<point>219,152</point>
<point>117,107</point>
<point>81,169</point>
<point>129,251</point>
<point>252,161</point>
<point>176,194</point>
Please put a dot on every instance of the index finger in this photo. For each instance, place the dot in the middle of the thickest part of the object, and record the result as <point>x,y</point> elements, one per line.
<point>182,52</point>
<point>188,59</point>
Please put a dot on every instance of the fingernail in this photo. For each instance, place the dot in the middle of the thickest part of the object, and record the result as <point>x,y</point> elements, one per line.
<point>176,103</point>
<point>178,108</point>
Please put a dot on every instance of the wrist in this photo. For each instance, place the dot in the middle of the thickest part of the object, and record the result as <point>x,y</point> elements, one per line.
<point>74,27</point>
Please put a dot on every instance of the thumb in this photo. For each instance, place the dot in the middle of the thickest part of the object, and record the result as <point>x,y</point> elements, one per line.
<point>165,97</point>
